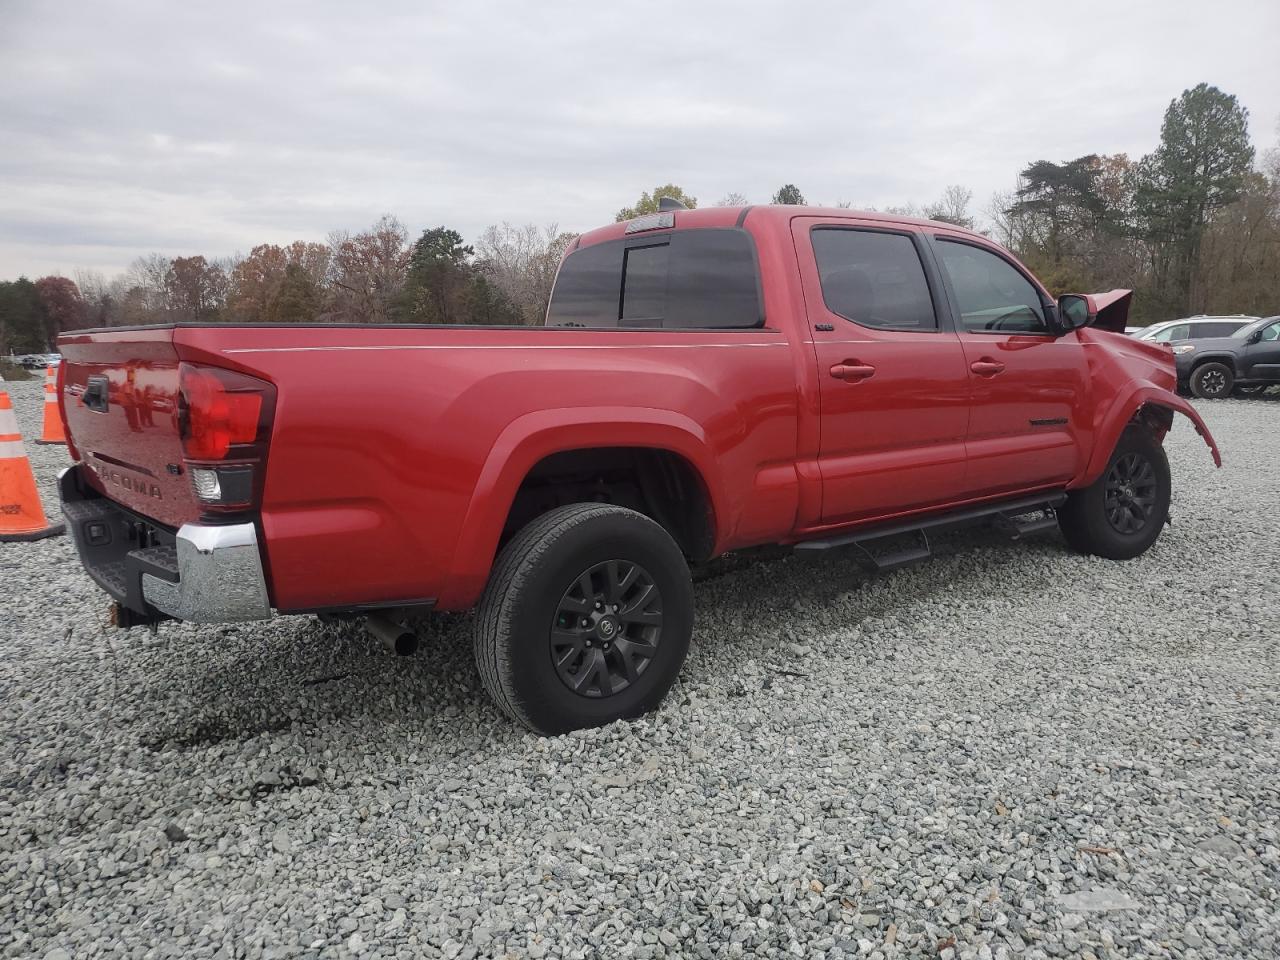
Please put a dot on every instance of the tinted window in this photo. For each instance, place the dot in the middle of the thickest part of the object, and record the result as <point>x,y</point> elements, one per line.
<point>713,280</point>
<point>644,285</point>
<point>685,279</point>
<point>1217,328</point>
<point>588,288</point>
<point>874,279</point>
<point>992,295</point>
<point>1270,332</point>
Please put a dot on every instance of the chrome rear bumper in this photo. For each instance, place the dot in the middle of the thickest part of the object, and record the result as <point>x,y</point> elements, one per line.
<point>219,576</point>
<point>200,573</point>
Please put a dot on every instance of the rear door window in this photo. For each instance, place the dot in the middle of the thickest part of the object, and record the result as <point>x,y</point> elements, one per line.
<point>873,278</point>
<point>1216,328</point>
<point>689,279</point>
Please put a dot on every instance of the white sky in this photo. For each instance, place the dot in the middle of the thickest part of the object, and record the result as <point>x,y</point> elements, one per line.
<point>210,127</point>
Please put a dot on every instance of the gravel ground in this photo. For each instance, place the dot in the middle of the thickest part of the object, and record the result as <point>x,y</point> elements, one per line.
<point>1007,751</point>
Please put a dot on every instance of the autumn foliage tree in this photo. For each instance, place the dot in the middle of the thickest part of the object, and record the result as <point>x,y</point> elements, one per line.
<point>257,280</point>
<point>368,271</point>
<point>64,308</point>
<point>195,290</point>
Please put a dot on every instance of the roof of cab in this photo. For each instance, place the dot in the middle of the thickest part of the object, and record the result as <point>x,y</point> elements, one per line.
<point>703,217</point>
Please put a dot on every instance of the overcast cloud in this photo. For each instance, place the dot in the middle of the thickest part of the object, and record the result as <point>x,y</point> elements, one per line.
<point>208,128</point>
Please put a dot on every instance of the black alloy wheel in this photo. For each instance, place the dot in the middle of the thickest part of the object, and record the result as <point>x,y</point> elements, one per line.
<point>1130,495</point>
<point>586,618</point>
<point>607,628</point>
<point>1121,514</point>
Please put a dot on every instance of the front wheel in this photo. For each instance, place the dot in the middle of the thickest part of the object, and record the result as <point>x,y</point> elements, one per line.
<point>1122,513</point>
<point>1212,381</point>
<point>586,619</point>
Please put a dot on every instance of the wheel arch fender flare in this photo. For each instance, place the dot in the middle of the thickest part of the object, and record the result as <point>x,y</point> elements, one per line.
<point>1123,411</point>
<point>1228,359</point>
<point>528,439</point>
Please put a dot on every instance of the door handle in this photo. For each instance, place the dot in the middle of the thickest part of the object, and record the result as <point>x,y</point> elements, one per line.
<point>986,367</point>
<point>851,371</point>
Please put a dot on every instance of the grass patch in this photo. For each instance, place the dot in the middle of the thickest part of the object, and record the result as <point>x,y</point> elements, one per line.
<point>12,372</point>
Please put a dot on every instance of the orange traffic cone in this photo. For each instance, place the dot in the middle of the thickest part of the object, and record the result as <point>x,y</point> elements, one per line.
<point>53,432</point>
<point>21,515</point>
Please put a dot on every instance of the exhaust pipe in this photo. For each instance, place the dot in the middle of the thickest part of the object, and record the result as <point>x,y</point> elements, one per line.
<point>400,640</point>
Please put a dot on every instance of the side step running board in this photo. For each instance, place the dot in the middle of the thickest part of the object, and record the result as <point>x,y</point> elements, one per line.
<point>1008,515</point>
<point>885,562</point>
<point>1019,526</point>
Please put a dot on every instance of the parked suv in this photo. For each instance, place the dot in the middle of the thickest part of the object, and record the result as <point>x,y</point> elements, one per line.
<point>705,381</point>
<point>1247,362</point>
<point>1194,328</point>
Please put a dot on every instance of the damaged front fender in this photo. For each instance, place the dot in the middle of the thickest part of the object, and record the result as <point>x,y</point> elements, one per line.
<point>1150,404</point>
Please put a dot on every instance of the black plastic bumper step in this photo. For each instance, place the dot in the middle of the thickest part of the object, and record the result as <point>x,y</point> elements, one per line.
<point>160,561</point>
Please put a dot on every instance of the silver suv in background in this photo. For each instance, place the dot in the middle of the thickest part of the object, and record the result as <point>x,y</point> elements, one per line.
<point>1246,363</point>
<point>1193,328</point>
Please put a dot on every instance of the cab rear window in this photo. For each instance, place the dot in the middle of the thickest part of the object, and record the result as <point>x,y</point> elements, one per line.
<point>688,279</point>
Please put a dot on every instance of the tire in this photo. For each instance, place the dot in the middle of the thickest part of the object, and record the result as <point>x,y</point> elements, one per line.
<point>550,598</point>
<point>1212,381</point>
<point>1103,519</point>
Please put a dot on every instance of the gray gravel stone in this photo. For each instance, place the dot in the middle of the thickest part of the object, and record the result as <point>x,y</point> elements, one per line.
<point>976,743</point>
<point>1097,900</point>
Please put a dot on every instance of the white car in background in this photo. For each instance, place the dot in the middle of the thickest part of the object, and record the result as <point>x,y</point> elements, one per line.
<point>1193,328</point>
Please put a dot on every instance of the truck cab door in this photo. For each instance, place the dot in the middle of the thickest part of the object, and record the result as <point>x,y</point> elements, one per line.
<point>893,386</point>
<point>1028,422</point>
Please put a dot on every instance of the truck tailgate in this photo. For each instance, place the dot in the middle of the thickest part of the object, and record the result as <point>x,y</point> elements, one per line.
<point>119,393</point>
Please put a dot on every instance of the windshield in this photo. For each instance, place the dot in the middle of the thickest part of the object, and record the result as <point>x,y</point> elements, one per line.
<point>1270,327</point>
<point>1153,331</point>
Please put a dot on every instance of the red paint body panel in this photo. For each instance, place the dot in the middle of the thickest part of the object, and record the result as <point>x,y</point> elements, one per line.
<point>397,451</point>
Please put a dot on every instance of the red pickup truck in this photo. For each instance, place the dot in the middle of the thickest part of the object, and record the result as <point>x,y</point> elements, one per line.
<point>705,381</point>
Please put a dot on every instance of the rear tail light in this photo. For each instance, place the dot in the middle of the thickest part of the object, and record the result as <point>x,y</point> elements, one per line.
<point>224,420</point>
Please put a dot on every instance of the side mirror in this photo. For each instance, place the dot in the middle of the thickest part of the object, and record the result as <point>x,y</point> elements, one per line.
<point>1073,311</point>
<point>1103,311</point>
<point>1254,337</point>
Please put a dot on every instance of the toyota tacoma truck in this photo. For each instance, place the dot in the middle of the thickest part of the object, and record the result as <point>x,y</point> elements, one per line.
<point>704,381</point>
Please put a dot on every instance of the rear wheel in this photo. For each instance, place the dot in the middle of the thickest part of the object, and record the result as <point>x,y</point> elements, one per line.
<point>1212,381</point>
<point>1122,513</point>
<point>586,619</point>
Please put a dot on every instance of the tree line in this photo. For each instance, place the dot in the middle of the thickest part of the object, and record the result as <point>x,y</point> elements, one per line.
<point>1192,227</point>
<point>373,276</point>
